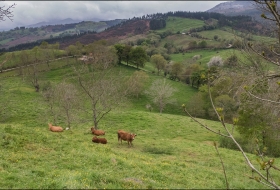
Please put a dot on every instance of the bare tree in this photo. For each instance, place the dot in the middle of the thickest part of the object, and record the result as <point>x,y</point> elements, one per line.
<point>6,12</point>
<point>66,95</point>
<point>48,93</point>
<point>47,54</point>
<point>63,101</point>
<point>25,60</point>
<point>161,93</point>
<point>36,59</point>
<point>136,83</point>
<point>102,86</point>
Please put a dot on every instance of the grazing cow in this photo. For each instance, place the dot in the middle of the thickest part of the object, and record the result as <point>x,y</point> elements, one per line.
<point>55,128</point>
<point>129,137</point>
<point>97,132</point>
<point>99,140</point>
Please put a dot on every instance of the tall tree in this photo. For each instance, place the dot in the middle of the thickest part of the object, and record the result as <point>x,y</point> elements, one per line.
<point>176,70</point>
<point>33,68</point>
<point>138,57</point>
<point>159,62</point>
<point>55,48</point>
<point>66,96</point>
<point>126,53</point>
<point>48,93</point>
<point>120,49</point>
<point>46,52</point>
<point>25,60</point>
<point>102,87</point>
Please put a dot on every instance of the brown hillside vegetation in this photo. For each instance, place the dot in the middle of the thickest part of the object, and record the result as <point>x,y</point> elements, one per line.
<point>25,39</point>
<point>117,33</point>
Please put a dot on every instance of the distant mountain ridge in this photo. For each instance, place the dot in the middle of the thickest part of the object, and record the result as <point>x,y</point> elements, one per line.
<point>55,22</point>
<point>114,30</point>
<point>234,8</point>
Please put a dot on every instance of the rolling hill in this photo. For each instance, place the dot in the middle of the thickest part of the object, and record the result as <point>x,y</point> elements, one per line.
<point>88,31</point>
<point>170,150</point>
<point>44,31</point>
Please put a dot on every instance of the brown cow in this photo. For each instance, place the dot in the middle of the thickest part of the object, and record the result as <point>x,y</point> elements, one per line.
<point>129,137</point>
<point>55,128</point>
<point>99,140</point>
<point>97,132</point>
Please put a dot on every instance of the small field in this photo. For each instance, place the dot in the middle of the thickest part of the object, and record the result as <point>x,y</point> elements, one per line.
<point>182,25</point>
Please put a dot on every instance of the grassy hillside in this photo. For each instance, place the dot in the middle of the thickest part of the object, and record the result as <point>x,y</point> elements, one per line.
<point>23,35</point>
<point>222,34</point>
<point>182,25</point>
<point>170,150</point>
<point>206,55</point>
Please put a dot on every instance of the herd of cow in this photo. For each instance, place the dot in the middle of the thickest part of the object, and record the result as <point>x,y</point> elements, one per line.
<point>122,135</point>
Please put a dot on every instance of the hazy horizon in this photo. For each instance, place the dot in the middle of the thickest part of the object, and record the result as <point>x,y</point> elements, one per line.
<point>32,12</point>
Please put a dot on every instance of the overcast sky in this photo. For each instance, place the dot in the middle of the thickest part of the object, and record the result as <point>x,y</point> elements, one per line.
<point>32,12</point>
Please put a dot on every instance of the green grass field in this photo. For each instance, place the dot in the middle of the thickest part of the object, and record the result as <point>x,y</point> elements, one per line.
<point>182,25</point>
<point>206,55</point>
<point>222,35</point>
<point>170,150</point>
<point>5,41</point>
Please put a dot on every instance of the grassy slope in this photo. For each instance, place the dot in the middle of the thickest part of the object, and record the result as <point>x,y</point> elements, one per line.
<point>176,24</point>
<point>222,34</point>
<point>170,150</point>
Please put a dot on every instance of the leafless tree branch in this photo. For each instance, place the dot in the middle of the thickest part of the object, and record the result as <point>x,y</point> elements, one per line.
<point>7,12</point>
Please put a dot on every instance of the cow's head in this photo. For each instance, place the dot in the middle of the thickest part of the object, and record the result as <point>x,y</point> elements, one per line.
<point>132,136</point>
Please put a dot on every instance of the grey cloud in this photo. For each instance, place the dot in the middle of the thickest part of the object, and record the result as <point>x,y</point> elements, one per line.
<point>32,12</point>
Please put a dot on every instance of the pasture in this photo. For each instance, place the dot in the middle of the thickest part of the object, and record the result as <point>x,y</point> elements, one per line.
<point>170,150</point>
<point>175,24</point>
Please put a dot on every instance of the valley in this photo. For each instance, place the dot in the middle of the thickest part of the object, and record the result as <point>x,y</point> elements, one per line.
<point>124,75</point>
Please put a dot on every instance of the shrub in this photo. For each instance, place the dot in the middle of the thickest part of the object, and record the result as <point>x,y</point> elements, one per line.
<point>231,61</point>
<point>216,37</point>
<point>228,143</point>
<point>202,44</point>
<point>215,61</point>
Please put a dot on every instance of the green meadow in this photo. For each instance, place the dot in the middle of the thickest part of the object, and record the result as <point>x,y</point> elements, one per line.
<point>182,25</point>
<point>170,150</point>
